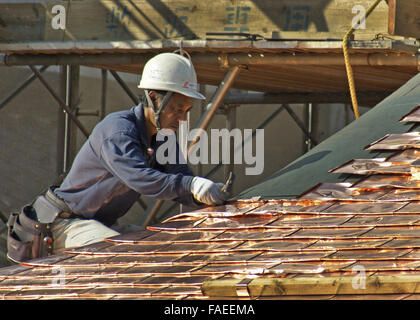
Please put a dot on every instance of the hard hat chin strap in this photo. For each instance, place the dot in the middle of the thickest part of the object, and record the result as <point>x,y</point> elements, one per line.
<point>165,101</point>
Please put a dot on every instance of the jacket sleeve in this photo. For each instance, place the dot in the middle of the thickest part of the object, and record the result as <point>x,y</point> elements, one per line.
<point>180,167</point>
<point>122,155</point>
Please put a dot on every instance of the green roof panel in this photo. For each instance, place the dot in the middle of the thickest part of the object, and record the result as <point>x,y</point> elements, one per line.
<point>347,144</point>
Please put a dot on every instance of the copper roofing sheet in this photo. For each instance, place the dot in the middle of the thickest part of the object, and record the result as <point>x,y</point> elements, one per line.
<point>381,181</point>
<point>343,191</point>
<point>396,141</point>
<point>284,206</point>
<point>405,156</point>
<point>364,208</point>
<point>412,116</point>
<point>375,166</point>
<point>322,237</point>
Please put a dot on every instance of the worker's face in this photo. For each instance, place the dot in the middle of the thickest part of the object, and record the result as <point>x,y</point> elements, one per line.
<point>175,111</point>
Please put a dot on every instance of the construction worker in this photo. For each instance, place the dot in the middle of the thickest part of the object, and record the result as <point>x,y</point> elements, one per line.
<point>115,165</point>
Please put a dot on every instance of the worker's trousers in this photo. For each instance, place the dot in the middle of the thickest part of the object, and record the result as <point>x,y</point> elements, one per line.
<point>70,233</point>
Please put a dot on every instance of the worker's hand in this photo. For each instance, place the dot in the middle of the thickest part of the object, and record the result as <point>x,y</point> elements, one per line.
<point>207,192</point>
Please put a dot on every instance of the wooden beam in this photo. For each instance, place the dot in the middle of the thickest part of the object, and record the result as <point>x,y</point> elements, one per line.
<point>344,285</point>
<point>223,60</point>
<point>404,18</point>
<point>184,19</point>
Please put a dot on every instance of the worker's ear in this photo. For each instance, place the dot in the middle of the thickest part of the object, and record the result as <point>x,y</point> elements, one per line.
<point>155,97</point>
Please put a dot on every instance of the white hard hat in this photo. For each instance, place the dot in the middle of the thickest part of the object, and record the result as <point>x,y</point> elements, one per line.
<point>170,72</point>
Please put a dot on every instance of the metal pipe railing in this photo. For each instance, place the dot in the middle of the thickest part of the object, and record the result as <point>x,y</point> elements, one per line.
<point>215,103</point>
<point>369,97</point>
<point>19,89</point>
<point>124,86</point>
<point>60,101</point>
<point>217,59</point>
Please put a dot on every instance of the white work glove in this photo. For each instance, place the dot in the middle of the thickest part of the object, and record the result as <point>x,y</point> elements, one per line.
<point>207,192</point>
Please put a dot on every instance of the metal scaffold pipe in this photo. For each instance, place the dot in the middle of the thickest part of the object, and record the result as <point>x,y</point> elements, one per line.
<point>215,102</point>
<point>60,101</point>
<point>2,59</point>
<point>217,59</point>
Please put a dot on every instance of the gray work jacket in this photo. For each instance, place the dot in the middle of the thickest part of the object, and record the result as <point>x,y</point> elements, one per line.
<point>113,167</point>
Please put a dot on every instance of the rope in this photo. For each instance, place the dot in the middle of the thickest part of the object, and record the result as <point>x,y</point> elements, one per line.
<point>349,69</point>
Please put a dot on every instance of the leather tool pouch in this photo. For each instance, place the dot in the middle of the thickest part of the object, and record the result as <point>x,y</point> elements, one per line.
<point>28,238</point>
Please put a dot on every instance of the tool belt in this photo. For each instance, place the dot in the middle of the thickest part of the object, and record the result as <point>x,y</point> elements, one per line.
<point>29,231</point>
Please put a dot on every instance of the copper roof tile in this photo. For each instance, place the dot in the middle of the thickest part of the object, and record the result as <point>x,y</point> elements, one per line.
<point>411,207</point>
<point>382,220</point>
<point>374,166</point>
<point>234,257</point>
<point>243,222</point>
<point>305,206</point>
<point>241,269</point>
<point>334,244</point>
<point>402,243</point>
<point>365,208</point>
<point>386,265</point>
<point>389,181</point>
<point>276,245</point>
<point>176,290</point>
<point>330,233</point>
<point>382,232</point>
<point>412,116</point>
<point>400,194</point>
<point>318,267</point>
<point>272,257</point>
<point>193,236</point>
<point>406,156</point>
<point>214,247</point>
<point>369,254</point>
<point>343,191</point>
<point>299,268</point>
<point>256,234</point>
<point>298,221</point>
<point>396,141</point>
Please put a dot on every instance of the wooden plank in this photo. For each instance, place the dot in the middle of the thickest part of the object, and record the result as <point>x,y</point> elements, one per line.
<point>346,285</point>
<point>185,19</point>
<point>404,18</point>
<point>220,288</point>
<point>405,46</point>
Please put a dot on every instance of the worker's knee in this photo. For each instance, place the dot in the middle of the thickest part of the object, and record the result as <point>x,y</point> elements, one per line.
<point>70,233</point>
